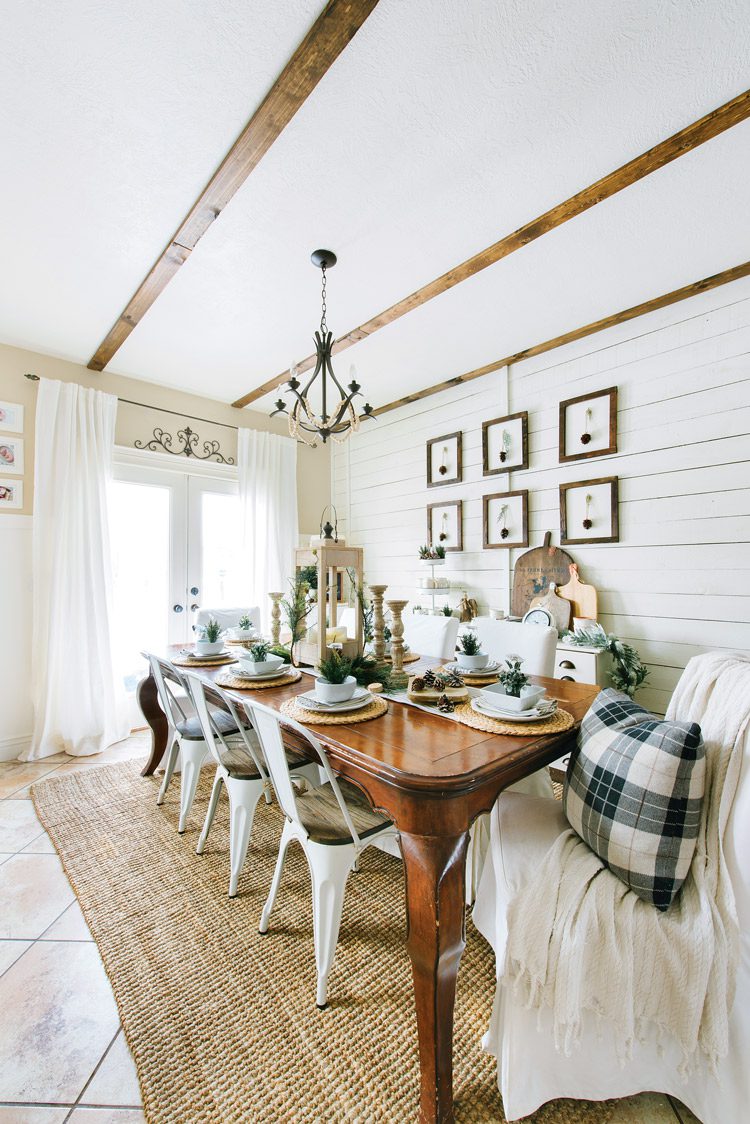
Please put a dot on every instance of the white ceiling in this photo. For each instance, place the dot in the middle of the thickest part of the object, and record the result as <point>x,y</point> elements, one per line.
<point>441,128</point>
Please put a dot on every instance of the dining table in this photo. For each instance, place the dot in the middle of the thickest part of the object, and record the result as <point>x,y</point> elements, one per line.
<point>432,777</point>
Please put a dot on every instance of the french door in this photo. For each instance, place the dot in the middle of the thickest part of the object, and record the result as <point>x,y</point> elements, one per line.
<point>175,549</point>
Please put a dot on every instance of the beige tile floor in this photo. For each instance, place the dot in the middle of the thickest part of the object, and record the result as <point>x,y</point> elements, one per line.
<point>63,1055</point>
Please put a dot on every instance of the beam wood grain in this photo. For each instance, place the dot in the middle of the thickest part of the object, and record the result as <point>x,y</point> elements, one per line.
<point>689,138</point>
<point>332,31</point>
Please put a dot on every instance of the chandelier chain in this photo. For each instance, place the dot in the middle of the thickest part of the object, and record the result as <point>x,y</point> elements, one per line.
<point>323,308</point>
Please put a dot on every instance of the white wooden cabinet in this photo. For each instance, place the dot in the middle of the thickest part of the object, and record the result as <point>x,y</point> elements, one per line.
<point>582,665</point>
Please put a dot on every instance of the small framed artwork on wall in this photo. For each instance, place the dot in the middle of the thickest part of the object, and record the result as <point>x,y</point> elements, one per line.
<point>588,425</point>
<point>505,520</point>
<point>445,525</point>
<point>589,511</point>
<point>11,417</point>
<point>505,444</point>
<point>11,454</point>
<point>11,494</point>
<point>444,460</point>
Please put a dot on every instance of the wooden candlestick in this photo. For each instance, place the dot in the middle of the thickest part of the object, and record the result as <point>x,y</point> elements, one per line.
<point>378,622</point>
<point>399,678</point>
<point>276,618</point>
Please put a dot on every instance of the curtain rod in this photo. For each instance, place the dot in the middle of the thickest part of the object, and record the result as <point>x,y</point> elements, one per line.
<point>161,409</point>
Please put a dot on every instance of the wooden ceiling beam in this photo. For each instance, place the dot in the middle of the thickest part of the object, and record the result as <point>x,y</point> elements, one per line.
<point>652,305</point>
<point>337,24</point>
<point>714,123</point>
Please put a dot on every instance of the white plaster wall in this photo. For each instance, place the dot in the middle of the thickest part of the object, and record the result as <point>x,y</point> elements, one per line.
<point>15,624</point>
<point>677,581</point>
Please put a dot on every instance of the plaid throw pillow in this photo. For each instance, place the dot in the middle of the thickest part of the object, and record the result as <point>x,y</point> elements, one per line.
<point>633,792</point>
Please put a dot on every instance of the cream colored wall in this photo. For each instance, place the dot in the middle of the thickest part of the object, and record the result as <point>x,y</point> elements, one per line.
<point>136,423</point>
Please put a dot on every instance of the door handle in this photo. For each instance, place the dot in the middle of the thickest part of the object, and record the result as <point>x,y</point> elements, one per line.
<point>194,607</point>
<point>177,608</point>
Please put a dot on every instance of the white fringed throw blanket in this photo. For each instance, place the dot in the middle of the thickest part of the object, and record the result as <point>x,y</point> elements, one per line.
<point>593,945</point>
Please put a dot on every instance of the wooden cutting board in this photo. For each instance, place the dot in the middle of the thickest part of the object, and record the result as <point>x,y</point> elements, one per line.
<point>557,607</point>
<point>581,596</point>
<point>534,571</point>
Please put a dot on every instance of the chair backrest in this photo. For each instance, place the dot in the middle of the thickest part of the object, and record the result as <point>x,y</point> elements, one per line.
<point>204,695</point>
<point>431,635</point>
<point>167,677</point>
<point>268,725</point>
<point>534,643</point>
<point>227,618</point>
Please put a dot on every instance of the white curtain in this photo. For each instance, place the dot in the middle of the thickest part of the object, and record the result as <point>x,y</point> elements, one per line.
<point>79,707</point>
<point>268,498</point>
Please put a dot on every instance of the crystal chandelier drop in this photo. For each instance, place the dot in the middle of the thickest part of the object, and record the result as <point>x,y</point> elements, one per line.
<point>336,420</point>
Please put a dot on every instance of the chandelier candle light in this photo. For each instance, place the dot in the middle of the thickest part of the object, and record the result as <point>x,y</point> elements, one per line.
<point>342,418</point>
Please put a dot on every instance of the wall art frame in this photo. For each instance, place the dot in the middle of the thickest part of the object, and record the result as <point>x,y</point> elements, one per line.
<point>11,417</point>
<point>505,512</point>
<point>588,425</point>
<point>445,525</point>
<point>589,511</point>
<point>11,454</point>
<point>11,495</point>
<point>505,444</point>
<point>445,453</point>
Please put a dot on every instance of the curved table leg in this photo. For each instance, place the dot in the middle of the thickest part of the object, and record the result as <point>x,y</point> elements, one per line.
<point>148,701</point>
<point>435,889</point>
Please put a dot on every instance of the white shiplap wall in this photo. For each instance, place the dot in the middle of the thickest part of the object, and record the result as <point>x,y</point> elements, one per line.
<point>678,581</point>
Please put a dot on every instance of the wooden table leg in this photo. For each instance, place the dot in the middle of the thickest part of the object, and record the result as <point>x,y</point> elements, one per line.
<point>435,878</point>
<point>148,701</point>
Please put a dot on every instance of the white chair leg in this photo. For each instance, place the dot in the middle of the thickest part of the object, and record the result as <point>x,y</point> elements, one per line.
<point>310,774</point>
<point>212,806</point>
<point>192,754</point>
<point>286,837</point>
<point>243,799</point>
<point>171,761</point>
<point>329,868</point>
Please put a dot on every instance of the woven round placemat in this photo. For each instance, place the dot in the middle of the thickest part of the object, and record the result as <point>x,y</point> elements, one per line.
<point>240,642</point>
<point>471,680</point>
<point>226,679</point>
<point>559,721</point>
<point>409,657</point>
<point>292,709</point>
<point>190,661</point>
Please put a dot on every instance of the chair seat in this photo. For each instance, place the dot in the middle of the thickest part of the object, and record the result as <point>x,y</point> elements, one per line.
<point>324,821</point>
<point>191,731</point>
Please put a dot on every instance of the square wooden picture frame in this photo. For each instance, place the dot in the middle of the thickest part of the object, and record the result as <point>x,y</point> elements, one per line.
<point>11,417</point>
<point>11,454</point>
<point>507,511</point>
<point>444,453</point>
<point>505,444</point>
<point>11,495</point>
<point>588,425</point>
<point>446,519</point>
<point>594,501</point>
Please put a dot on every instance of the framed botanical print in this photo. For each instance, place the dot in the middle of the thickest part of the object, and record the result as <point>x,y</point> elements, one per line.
<point>589,511</point>
<point>505,520</point>
<point>588,425</point>
<point>445,525</point>
<point>444,460</point>
<point>505,444</point>
<point>11,417</point>
<point>11,454</point>
<point>11,495</point>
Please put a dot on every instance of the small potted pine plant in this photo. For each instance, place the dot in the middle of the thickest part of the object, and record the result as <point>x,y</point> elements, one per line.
<point>513,690</point>
<point>470,655</point>
<point>335,683</point>
<point>260,660</point>
<point>209,642</point>
<point>432,555</point>
<point>245,630</point>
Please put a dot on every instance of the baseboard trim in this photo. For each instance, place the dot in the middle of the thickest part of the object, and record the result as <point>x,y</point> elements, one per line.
<point>11,747</point>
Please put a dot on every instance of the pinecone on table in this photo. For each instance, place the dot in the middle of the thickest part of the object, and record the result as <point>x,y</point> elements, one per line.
<point>429,678</point>
<point>417,683</point>
<point>444,705</point>
<point>452,679</point>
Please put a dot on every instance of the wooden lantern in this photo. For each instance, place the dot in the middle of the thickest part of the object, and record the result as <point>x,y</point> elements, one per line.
<point>331,560</point>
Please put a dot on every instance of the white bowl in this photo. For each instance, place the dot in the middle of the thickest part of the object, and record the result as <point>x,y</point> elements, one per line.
<point>206,648</point>
<point>496,695</point>
<point>472,663</point>
<point>244,633</point>
<point>335,692</point>
<point>261,667</point>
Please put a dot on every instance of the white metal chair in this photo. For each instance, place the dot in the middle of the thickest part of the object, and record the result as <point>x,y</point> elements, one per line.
<point>431,635</point>
<point>333,824</point>
<point>185,738</point>
<point>534,643</point>
<point>227,618</point>
<point>240,768</point>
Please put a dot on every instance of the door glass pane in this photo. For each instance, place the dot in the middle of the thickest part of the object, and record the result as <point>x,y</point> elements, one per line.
<point>223,583</point>
<point>139,527</point>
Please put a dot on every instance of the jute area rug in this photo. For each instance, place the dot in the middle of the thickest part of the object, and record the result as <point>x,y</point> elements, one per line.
<point>221,1021</point>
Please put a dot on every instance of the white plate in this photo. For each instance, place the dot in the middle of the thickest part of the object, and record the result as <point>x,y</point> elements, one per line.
<point>488,669</point>
<point>361,698</point>
<point>243,673</point>
<point>213,655</point>
<point>513,716</point>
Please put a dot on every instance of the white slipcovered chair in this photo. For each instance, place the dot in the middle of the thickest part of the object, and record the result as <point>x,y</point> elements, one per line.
<point>227,618</point>
<point>534,643</point>
<point>530,1069</point>
<point>433,636</point>
<point>347,618</point>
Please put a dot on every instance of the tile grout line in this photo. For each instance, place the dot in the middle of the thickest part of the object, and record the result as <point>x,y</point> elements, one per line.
<point>92,1075</point>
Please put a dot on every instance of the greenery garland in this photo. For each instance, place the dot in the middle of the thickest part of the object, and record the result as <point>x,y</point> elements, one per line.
<point>628,673</point>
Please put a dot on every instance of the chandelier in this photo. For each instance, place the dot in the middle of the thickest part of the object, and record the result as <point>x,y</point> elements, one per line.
<point>338,418</point>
